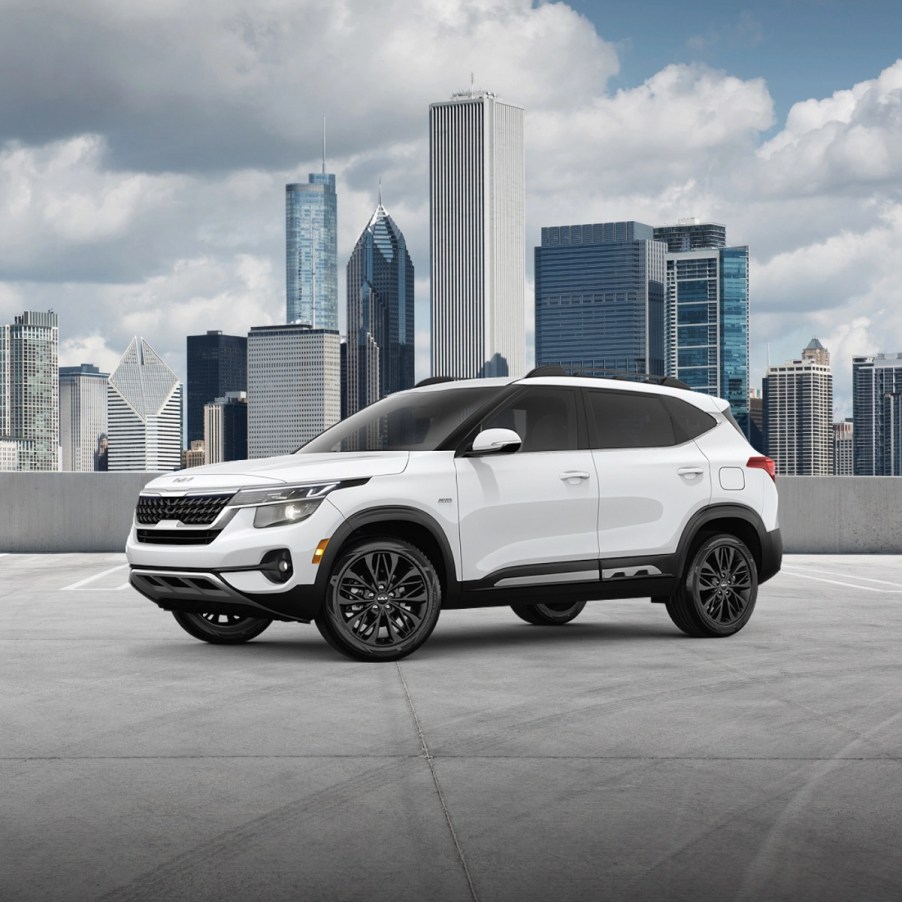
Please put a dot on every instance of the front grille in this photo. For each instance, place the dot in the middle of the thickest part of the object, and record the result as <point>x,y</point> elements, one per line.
<point>193,510</point>
<point>177,536</point>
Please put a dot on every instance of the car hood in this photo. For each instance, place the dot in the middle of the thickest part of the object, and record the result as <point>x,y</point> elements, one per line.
<point>288,468</point>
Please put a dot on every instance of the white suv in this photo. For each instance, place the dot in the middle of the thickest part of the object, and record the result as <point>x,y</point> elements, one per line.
<point>541,493</point>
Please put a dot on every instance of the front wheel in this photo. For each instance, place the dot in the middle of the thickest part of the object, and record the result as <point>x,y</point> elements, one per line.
<point>221,629</point>
<point>383,601</point>
<point>555,614</point>
<point>719,589</point>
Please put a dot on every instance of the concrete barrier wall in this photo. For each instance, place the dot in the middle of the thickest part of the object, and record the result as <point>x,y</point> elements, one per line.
<point>841,514</point>
<point>62,512</point>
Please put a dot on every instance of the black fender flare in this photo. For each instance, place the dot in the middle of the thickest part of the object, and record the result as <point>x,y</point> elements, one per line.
<point>388,514</point>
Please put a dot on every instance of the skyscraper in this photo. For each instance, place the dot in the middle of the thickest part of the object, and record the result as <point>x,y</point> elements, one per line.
<point>83,415</point>
<point>217,364</point>
<point>144,410</point>
<point>476,236</point>
<point>707,313</point>
<point>29,389</point>
<point>380,313</point>
<point>877,415</point>
<point>798,414</point>
<point>843,450</point>
<point>311,255</point>
<point>225,428</point>
<point>293,386</point>
<point>600,298</point>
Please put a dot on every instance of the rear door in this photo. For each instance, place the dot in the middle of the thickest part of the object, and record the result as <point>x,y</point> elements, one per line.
<point>651,479</point>
<point>531,517</point>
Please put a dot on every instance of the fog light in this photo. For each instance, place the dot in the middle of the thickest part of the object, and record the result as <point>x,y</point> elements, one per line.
<point>276,565</point>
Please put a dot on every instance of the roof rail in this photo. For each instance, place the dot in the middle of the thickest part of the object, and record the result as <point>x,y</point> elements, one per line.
<point>434,380</point>
<point>630,375</point>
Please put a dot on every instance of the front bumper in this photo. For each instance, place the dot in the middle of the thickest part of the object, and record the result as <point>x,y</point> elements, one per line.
<point>230,574</point>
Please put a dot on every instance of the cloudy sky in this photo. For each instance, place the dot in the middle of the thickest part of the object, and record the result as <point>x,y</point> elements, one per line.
<point>144,149</point>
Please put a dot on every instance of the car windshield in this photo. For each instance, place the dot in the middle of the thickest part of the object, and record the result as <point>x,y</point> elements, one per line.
<point>408,421</point>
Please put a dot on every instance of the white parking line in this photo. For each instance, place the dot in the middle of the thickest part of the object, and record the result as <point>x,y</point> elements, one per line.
<point>837,582</point>
<point>865,579</point>
<point>92,579</point>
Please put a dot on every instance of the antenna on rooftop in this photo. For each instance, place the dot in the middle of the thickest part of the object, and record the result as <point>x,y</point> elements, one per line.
<point>324,145</point>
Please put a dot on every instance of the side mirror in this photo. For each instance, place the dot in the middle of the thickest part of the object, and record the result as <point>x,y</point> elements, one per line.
<point>495,441</point>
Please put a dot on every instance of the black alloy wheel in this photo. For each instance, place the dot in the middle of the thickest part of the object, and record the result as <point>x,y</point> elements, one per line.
<point>719,589</point>
<point>221,629</point>
<point>383,601</point>
<point>555,614</point>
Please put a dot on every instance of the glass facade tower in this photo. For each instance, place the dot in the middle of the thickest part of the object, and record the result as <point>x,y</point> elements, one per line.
<point>707,323</point>
<point>877,415</point>
<point>476,236</point>
<point>83,416</point>
<point>600,298</point>
<point>217,364</point>
<point>311,252</point>
<point>380,314</point>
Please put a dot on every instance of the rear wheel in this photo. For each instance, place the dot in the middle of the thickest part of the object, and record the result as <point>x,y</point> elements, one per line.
<point>555,614</point>
<point>383,601</point>
<point>719,589</point>
<point>221,629</point>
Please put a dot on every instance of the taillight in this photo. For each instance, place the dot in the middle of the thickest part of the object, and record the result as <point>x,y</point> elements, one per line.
<point>763,463</point>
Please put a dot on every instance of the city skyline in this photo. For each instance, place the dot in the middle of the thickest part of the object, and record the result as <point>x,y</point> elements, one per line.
<point>160,211</point>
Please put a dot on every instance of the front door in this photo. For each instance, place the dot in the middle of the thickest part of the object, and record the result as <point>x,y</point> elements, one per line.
<point>531,516</point>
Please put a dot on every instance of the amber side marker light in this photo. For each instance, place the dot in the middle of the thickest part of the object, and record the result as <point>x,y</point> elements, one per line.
<point>319,551</point>
<point>763,463</point>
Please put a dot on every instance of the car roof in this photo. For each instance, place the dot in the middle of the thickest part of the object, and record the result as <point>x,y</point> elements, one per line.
<point>698,399</point>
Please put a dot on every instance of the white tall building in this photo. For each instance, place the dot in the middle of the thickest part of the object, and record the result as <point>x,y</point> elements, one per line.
<point>293,386</point>
<point>29,390</point>
<point>83,415</point>
<point>144,411</point>
<point>798,414</point>
<point>477,236</point>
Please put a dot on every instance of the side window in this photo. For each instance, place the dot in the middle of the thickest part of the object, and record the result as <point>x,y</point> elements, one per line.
<point>688,420</point>
<point>629,420</point>
<point>545,418</point>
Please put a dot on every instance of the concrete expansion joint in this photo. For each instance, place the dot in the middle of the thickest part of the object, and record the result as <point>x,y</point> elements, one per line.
<point>427,757</point>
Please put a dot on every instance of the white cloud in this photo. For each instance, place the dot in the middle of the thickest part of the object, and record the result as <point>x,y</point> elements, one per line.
<point>145,192</point>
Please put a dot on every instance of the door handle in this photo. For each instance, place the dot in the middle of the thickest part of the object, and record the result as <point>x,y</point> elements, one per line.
<point>577,475</point>
<point>691,471</point>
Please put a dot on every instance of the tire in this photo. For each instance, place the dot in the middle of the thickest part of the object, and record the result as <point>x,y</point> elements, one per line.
<point>556,614</point>
<point>221,629</point>
<point>382,602</point>
<point>719,589</point>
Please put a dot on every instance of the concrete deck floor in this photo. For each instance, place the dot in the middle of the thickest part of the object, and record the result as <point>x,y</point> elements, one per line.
<point>611,759</point>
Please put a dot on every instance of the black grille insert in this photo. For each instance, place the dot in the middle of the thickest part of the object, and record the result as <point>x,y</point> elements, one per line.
<point>193,510</point>
<point>177,536</point>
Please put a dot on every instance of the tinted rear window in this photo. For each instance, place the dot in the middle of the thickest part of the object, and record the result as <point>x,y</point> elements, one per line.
<point>688,421</point>
<point>629,420</point>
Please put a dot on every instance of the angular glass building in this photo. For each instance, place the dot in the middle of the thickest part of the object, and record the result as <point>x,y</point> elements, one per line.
<point>144,411</point>
<point>311,252</point>
<point>217,364</point>
<point>707,323</point>
<point>29,390</point>
<point>877,415</point>
<point>476,236</point>
<point>600,298</point>
<point>380,290</point>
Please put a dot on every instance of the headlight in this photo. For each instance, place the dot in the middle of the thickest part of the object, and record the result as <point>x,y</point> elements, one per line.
<point>287,512</point>
<point>283,504</point>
